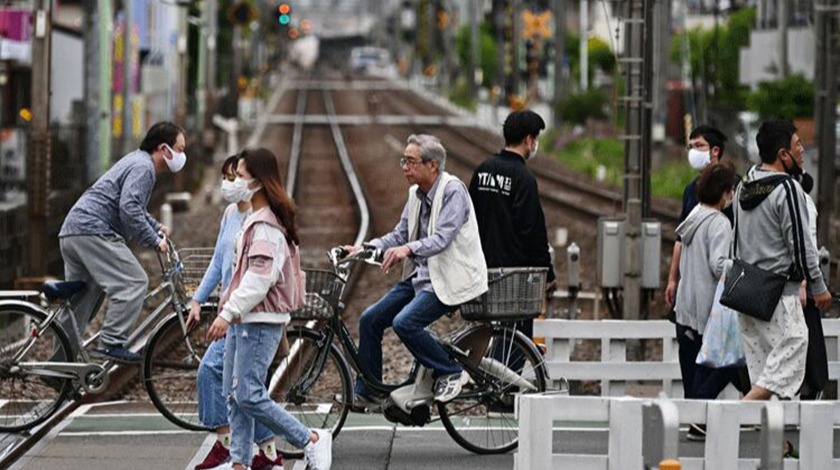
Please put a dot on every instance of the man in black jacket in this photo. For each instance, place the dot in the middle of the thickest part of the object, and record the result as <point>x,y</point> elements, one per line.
<point>507,205</point>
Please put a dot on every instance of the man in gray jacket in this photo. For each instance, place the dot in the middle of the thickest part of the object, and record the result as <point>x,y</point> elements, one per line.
<point>93,238</point>
<point>771,234</point>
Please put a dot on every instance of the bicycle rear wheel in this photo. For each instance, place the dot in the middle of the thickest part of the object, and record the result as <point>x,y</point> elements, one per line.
<point>481,419</point>
<point>314,387</point>
<point>28,398</point>
<point>170,369</point>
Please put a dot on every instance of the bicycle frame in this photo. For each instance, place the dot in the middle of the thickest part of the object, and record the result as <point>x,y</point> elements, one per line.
<point>81,370</point>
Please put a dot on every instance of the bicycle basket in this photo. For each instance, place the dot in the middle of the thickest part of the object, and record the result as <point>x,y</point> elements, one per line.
<point>323,295</point>
<point>514,294</point>
<point>195,262</point>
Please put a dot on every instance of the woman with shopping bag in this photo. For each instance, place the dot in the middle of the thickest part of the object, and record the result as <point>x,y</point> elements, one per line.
<point>706,235</point>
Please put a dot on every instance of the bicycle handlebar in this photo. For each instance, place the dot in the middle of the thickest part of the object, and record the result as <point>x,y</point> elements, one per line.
<point>341,258</point>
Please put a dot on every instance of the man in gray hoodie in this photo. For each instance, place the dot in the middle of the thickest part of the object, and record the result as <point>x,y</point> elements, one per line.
<point>771,234</point>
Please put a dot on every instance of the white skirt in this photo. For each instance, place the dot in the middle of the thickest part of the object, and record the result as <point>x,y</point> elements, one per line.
<point>776,350</point>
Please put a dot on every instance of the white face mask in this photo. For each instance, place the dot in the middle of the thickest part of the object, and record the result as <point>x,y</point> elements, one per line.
<point>242,192</point>
<point>176,161</point>
<point>699,159</point>
<point>533,153</point>
<point>228,190</point>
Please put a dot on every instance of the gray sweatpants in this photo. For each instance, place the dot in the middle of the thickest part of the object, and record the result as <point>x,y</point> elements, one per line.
<point>106,264</point>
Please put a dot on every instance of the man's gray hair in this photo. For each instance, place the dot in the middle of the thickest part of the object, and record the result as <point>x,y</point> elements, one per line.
<point>430,148</point>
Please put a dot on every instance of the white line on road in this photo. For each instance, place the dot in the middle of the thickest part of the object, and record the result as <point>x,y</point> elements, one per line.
<point>126,433</point>
<point>208,444</point>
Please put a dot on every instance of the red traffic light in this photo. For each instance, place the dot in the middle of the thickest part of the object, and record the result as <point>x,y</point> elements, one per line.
<point>284,8</point>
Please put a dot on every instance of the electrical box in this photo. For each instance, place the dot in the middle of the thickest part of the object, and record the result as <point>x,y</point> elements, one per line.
<point>651,253</point>
<point>610,263</point>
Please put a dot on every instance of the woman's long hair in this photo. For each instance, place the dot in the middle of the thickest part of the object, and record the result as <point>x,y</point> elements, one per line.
<point>262,165</point>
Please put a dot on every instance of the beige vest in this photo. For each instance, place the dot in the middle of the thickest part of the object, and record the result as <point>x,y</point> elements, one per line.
<point>459,272</point>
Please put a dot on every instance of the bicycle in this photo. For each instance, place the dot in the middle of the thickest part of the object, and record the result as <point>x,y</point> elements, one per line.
<point>40,366</point>
<point>315,385</point>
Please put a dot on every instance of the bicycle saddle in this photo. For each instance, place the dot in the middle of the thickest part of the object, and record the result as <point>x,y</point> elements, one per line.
<point>58,290</point>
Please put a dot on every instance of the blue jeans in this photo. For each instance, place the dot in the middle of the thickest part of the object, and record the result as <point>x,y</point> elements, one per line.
<point>409,314</point>
<point>212,409</point>
<point>249,349</point>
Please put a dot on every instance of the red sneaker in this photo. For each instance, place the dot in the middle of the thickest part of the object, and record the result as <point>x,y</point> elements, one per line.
<point>261,462</point>
<point>217,457</point>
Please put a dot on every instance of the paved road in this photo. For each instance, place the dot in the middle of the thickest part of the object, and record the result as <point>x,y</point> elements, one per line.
<point>132,436</point>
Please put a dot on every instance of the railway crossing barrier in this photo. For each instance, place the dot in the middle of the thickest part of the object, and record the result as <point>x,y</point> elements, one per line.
<point>658,419</point>
<point>614,371</point>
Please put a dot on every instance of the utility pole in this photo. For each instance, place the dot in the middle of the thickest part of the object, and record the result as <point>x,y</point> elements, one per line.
<point>783,37</point>
<point>499,7</point>
<point>38,166</point>
<point>183,67</point>
<point>106,28</point>
<point>825,77</point>
<point>516,27</point>
<point>637,66</point>
<point>211,15</point>
<point>126,137</point>
<point>201,76</point>
<point>559,9</point>
<point>584,44</point>
<point>475,49</point>
<point>91,90</point>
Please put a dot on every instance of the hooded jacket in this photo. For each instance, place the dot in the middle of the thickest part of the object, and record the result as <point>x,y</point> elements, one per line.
<point>706,236</point>
<point>771,232</point>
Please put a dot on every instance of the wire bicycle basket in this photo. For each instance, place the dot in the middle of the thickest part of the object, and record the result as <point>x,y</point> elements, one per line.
<point>323,295</point>
<point>513,294</point>
<point>195,262</point>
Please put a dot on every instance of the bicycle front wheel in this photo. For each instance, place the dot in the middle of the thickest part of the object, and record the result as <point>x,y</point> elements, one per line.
<point>312,383</point>
<point>481,419</point>
<point>27,395</point>
<point>170,370</point>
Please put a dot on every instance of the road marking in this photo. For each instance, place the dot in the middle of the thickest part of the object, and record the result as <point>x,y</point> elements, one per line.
<point>124,433</point>
<point>208,444</point>
<point>51,436</point>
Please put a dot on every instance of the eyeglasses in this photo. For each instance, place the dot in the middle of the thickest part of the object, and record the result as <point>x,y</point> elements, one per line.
<point>407,162</point>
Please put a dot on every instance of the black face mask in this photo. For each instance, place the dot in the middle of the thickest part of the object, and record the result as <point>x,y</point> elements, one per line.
<point>794,170</point>
<point>806,181</point>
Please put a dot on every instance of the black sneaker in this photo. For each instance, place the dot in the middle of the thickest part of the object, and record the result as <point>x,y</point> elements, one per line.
<point>118,354</point>
<point>696,432</point>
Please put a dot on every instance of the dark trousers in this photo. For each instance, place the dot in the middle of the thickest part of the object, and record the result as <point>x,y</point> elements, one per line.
<point>816,363</point>
<point>701,382</point>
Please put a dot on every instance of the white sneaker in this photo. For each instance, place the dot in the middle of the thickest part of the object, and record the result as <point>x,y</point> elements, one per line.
<point>229,466</point>
<point>448,387</point>
<point>318,456</point>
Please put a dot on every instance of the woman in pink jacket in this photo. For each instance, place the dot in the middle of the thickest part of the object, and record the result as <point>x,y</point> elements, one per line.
<point>267,285</point>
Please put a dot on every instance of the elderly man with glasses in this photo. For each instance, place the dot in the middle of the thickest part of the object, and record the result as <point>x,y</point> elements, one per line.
<point>437,240</point>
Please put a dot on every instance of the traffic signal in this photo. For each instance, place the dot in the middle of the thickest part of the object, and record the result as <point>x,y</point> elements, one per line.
<point>285,14</point>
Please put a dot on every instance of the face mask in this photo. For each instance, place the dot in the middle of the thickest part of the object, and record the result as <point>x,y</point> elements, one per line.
<point>806,181</point>
<point>533,153</point>
<point>794,169</point>
<point>228,190</point>
<point>177,160</point>
<point>699,159</point>
<point>241,190</point>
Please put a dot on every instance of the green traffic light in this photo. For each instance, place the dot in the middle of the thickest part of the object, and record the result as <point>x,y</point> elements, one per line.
<point>285,19</point>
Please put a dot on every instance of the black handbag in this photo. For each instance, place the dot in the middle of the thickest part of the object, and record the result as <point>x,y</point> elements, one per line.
<point>748,289</point>
<point>752,291</point>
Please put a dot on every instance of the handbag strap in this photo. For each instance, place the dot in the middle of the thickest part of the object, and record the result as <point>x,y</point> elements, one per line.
<point>735,202</point>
